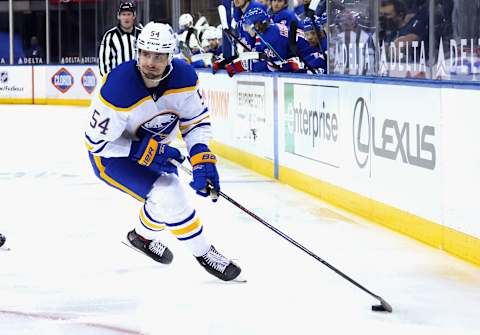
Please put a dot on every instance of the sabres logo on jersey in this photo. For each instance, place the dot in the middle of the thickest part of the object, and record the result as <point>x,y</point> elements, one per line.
<point>160,126</point>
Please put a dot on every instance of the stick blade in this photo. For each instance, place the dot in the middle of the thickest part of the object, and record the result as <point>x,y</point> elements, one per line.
<point>383,307</point>
<point>222,12</point>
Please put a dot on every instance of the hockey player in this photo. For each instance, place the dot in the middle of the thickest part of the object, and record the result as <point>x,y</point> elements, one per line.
<point>317,58</point>
<point>2,240</point>
<point>138,111</point>
<point>272,43</point>
<point>188,35</point>
<point>242,7</point>
<point>213,38</point>
<point>281,13</point>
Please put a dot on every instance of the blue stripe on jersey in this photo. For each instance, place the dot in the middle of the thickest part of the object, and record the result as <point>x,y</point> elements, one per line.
<point>147,227</point>
<point>101,148</point>
<point>192,236</point>
<point>182,222</point>
<point>93,142</point>
<point>197,126</point>
<point>186,120</point>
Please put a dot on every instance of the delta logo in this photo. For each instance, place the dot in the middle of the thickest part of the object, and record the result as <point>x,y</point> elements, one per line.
<point>62,80</point>
<point>89,80</point>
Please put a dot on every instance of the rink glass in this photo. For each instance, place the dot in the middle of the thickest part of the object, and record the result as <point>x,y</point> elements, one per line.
<point>363,40</point>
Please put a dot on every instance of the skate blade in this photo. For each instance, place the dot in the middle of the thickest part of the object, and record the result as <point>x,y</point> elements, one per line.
<point>133,248</point>
<point>239,280</point>
<point>5,249</point>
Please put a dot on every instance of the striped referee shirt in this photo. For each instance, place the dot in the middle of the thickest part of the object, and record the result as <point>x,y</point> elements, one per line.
<point>117,47</point>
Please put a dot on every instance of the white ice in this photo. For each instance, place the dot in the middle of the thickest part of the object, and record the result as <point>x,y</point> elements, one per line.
<point>68,272</point>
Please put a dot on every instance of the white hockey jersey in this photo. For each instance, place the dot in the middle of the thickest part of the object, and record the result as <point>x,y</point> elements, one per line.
<point>124,110</point>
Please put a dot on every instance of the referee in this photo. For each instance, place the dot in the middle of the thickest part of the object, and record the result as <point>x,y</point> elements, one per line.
<point>119,43</point>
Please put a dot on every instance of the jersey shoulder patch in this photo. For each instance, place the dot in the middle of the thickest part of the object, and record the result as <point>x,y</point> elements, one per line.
<point>123,87</point>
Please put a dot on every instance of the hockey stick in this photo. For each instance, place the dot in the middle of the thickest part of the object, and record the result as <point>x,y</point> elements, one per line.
<point>292,41</point>
<point>383,307</point>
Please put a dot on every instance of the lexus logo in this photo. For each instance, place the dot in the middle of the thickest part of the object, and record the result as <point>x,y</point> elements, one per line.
<point>406,141</point>
<point>361,126</point>
<point>3,77</point>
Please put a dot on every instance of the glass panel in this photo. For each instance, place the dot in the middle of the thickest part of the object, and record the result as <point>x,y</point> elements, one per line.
<point>4,35</point>
<point>88,47</point>
<point>29,32</point>
<point>404,38</point>
<point>352,37</point>
<point>160,11</point>
<point>457,40</point>
<point>65,39</point>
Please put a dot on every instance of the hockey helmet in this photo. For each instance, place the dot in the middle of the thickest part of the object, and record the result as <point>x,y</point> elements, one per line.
<point>185,21</point>
<point>255,15</point>
<point>157,37</point>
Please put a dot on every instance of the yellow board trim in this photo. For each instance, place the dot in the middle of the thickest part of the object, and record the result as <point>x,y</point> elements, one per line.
<point>187,229</point>
<point>113,182</point>
<point>65,102</point>
<point>454,242</point>
<point>19,101</point>
<point>261,165</point>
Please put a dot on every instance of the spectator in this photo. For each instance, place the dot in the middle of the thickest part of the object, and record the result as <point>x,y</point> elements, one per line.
<point>35,51</point>
<point>119,44</point>
<point>400,26</point>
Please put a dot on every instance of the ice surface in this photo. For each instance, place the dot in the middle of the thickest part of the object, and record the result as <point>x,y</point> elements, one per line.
<point>68,272</point>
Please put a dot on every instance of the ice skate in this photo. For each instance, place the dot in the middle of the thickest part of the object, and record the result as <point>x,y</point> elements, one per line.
<point>153,249</point>
<point>218,265</point>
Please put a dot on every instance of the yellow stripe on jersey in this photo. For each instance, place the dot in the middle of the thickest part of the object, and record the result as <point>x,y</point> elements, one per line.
<point>181,90</point>
<point>89,147</point>
<point>124,109</point>
<point>194,123</point>
<point>113,182</point>
<point>149,223</point>
<point>182,231</point>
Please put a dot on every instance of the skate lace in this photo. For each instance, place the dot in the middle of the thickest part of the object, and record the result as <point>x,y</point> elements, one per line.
<point>157,247</point>
<point>216,261</point>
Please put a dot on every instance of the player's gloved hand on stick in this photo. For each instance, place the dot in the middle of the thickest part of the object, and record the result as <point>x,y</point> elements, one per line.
<point>150,153</point>
<point>204,171</point>
<point>236,66</point>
